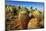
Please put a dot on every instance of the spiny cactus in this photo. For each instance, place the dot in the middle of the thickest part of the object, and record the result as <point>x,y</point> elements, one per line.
<point>22,20</point>
<point>18,17</point>
<point>34,23</point>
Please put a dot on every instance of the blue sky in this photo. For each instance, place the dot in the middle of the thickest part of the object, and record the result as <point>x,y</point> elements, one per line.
<point>38,5</point>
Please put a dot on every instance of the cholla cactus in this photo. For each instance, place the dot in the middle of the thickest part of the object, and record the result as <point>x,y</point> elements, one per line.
<point>36,13</point>
<point>37,21</point>
<point>42,20</point>
<point>23,17</point>
<point>34,23</point>
<point>22,20</point>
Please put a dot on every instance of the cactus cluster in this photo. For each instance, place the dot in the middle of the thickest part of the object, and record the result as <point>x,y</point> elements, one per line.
<point>18,17</point>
